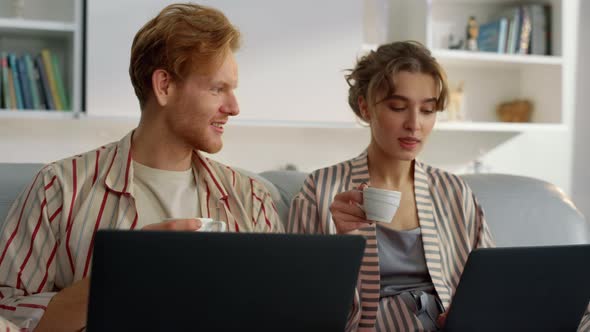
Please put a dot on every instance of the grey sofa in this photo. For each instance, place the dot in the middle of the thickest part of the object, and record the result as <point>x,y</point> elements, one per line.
<point>520,210</point>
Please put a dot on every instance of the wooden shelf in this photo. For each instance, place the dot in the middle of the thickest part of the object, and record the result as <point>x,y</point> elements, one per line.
<point>498,126</point>
<point>37,27</point>
<point>458,126</point>
<point>465,58</point>
<point>465,126</point>
<point>37,114</point>
<point>487,59</point>
<point>470,2</point>
<point>295,124</point>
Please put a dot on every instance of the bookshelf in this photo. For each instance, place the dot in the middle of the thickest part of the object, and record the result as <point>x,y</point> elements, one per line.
<point>490,78</point>
<point>56,26</point>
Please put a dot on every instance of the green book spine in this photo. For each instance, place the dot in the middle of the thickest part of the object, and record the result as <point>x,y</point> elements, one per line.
<point>5,81</point>
<point>12,91</point>
<point>59,82</point>
<point>46,56</point>
<point>16,82</point>
<point>44,82</point>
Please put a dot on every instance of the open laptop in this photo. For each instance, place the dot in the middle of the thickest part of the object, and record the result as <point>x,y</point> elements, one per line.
<point>194,281</point>
<point>522,289</point>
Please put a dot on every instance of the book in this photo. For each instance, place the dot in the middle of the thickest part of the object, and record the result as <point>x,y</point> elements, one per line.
<point>16,81</point>
<point>11,91</point>
<point>503,36</point>
<point>5,82</point>
<point>513,16</point>
<point>525,31</point>
<point>548,37</point>
<point>538,44</point>
<point>47,65</point>
<point>492,36</point>
<point>33,77</point>
<point>1,84</point>
<point>59,83</point>
<point>42,99</point>
<point>25,85</point>
<point>44,83</point>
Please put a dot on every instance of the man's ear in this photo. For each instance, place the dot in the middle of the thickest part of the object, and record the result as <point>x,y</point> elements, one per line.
<point>364,109</point>
<point>163,86</point>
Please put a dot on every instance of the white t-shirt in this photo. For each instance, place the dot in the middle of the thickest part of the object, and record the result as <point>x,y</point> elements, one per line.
<point>161,194</point>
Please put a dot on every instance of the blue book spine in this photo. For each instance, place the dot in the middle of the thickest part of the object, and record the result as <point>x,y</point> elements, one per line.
<point>33,80</point>
<point>514,31</point>
<point>503,35</point>
<point>17,84</point>
<point>489,35</point>
<point>25,84</point>
<point>44,83</point>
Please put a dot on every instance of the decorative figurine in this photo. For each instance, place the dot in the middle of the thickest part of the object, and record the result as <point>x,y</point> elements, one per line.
<point>472,33</point>
<point>455,107</point>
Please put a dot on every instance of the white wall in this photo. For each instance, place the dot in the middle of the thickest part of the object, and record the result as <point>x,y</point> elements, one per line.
<point>271,83</point>
<point>581,164</point>
<point>292,59</point>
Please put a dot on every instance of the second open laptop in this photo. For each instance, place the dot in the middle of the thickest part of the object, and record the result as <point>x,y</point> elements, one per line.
<point>522,289</point>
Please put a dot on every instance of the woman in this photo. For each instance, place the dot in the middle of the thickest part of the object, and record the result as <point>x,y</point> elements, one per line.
<point>411,265</point>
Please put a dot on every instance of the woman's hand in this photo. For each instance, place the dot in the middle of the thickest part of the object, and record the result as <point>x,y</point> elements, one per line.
<point>441,320</point>
<point>346,211</point>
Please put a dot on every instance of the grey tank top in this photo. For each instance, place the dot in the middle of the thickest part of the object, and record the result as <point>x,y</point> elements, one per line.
<point>404,273</point>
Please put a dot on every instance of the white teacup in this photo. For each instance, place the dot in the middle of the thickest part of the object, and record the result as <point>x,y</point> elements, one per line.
<point>380,204</point>
<point>207,224</point>
<point>210,225</point>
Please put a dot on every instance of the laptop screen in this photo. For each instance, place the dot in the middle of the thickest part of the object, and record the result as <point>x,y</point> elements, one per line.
<point>522,289</point>
<point>168,281</point>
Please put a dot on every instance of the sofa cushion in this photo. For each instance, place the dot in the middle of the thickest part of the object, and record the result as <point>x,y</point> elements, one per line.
<point>287,184</point>
<point>520,210</point>
<point>523,211</point>
<point>13,179</point>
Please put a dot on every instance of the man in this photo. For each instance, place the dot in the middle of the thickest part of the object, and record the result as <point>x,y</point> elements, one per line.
<point>184,74</point>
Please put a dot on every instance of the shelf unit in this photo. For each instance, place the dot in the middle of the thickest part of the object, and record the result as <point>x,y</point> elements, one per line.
<point>541,78</point>
<point>489,78</point>
<point>38,27</point>
<point>57,26</point>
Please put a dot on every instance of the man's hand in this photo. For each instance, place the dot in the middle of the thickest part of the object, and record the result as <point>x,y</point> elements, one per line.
<point>175,225</point>
<point>67,310</point>
<point>346,213</point>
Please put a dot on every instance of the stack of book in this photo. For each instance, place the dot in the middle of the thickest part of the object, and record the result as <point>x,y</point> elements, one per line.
<point>32,82</point>
<point>524,29</point>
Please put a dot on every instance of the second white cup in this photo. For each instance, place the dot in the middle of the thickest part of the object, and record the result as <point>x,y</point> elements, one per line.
<point>380,204</point>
